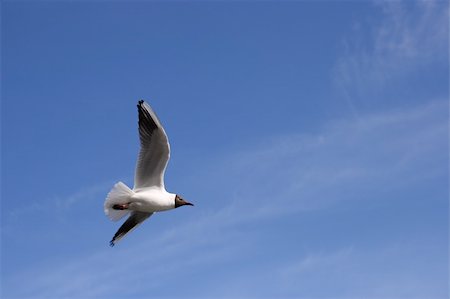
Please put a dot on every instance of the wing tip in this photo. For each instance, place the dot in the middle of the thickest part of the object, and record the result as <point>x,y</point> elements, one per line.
<point>115,239</point>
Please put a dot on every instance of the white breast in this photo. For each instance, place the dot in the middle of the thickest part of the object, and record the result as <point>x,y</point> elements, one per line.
<point>152,200</point>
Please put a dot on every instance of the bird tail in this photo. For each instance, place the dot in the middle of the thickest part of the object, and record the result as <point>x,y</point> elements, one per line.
<point>120,194</point>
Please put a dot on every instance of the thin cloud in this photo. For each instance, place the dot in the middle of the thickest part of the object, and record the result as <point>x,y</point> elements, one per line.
<point>381,272</point>
<point>348,161</point>
<point>300,172</point>
<point>61,203</point>
<point>409,37</point>
<point>56,206</point>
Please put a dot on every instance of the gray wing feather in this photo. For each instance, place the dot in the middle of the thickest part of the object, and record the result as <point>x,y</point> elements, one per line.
<point>155,149</point>
<point>131,223</point>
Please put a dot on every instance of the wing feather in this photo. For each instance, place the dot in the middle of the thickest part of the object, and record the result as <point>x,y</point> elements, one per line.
<point>155,149</point>
<point>131,223</point>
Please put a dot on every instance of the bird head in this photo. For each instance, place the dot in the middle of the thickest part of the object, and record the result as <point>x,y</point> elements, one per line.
<point>179,201</point>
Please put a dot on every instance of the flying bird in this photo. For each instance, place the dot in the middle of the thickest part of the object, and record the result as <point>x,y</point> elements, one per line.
<point>148,194</point>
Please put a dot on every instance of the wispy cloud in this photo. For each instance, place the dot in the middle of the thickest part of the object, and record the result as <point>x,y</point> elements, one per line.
<point>61,203</point>
<point>346,162</point>
<point>306,172</point>
<point>380,272</point>
<point>253,232</point>
<point>408,37</point>
<point>56,206</point>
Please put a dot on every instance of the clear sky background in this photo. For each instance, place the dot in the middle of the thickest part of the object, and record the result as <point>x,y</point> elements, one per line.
<point>312,138</point>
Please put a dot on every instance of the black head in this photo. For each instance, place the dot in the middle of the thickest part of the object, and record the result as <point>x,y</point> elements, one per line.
<point>181,202</point>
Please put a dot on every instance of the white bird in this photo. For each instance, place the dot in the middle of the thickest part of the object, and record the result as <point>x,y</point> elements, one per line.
<point>149,194</point>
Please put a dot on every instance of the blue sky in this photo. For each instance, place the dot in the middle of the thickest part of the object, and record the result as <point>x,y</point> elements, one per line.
<point>311,136</point>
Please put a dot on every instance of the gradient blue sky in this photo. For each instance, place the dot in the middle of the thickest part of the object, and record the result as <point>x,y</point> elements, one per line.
<point>311,136</point>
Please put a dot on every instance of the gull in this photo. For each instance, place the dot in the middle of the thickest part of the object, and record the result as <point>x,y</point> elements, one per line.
<point>148,194</point>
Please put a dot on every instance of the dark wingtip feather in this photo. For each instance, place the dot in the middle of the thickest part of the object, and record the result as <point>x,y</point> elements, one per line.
<point>111,243</point>
<point>146,123</point>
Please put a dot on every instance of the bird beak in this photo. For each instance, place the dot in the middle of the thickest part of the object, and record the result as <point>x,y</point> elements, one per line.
<point>188,204</point>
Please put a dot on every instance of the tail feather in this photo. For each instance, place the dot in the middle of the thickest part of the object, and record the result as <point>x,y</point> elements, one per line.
<point>119,194</point>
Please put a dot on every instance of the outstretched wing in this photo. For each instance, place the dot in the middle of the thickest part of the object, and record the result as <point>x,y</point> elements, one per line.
<point>155,149</point>
<point>132,222</point>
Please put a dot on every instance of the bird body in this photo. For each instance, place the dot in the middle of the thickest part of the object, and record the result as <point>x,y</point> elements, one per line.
<point>148,194</point>
<point>152,200</point>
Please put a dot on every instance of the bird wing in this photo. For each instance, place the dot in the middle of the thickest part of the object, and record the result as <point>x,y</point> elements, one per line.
<point>131,223</point>
<point>155,149</point>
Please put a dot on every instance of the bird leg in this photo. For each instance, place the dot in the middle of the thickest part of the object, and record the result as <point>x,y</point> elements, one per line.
<point>120,207</point>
